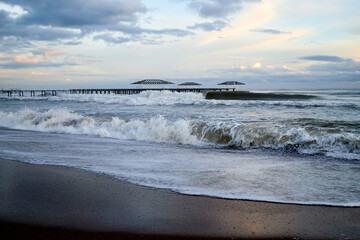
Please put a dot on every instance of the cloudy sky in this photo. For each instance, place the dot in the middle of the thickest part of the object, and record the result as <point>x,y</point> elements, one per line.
<point>110,43</point>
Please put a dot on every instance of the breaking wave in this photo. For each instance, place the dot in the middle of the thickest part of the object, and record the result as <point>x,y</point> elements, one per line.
<point>287,137</point>
<point>143,98</point>
<point>157,129</point>
<point>305,136</point>
<point>148,98</point>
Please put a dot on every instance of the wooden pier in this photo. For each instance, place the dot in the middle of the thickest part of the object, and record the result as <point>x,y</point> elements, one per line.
<point>144,85</point>
<point>124,91</point>
<point>130,91</point>
<point>33,93</point>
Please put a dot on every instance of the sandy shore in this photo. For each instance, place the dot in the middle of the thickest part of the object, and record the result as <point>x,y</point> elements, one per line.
<point>50,202</point>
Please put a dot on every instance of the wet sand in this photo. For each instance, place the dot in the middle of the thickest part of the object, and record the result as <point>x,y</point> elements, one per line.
<point>52,202</point>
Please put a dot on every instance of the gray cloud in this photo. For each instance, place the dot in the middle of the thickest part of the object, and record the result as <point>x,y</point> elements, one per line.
<point>342,67</point>
<point>269,31</point>
<point>217,8</point>
<point>16,65</point>
<point>71,20</point>
<point>324,58</point>
<point>209,26</point>
<point>78,13</point>
<point>12,45</point>
<point>71,43</point>
<point>111,38</point>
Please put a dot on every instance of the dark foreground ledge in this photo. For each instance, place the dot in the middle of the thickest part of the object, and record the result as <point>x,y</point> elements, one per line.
<point>49,202</point>
<point>245,95</point>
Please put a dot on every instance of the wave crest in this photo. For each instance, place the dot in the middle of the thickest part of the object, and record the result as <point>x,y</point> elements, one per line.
<point>144,98</point>
<point>157,129</point>
<point>304,140</point>
<point>312,138</point>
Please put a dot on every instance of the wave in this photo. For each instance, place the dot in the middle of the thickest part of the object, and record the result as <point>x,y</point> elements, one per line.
<point>157,129</point>
<point>324,138</point>
<point>158,98</point>
<point>287,137</point>
<point>143,98</point>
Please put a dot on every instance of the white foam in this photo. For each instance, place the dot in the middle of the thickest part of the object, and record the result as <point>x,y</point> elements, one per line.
<point>143,98</point>
<point>156,129</point>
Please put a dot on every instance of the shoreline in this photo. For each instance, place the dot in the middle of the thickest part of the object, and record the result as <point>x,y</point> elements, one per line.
<point>63,201</point>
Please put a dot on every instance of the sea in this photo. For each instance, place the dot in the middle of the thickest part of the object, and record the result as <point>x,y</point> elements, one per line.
<point>289,150</point>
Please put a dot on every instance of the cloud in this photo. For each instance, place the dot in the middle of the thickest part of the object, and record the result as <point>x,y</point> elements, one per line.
<point>25,60</point>
<point>342,67</point>
<point>71,20</point>
<point>52,53</point>
<point>22,61</point>
<point>209,26</point>
<point>256,65</point>
<point>71,43</point>
<point>324,58</point>
<point>269,31</point>
<point>78,13</point>
<point>141,35</point>
<point>39,74</point>
<point>286,76</point>
<point>12,44</point>
<point>110,38</point>
<point>217,8</point>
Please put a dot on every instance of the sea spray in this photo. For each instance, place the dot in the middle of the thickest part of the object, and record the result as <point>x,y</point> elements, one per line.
<point>145,98</point>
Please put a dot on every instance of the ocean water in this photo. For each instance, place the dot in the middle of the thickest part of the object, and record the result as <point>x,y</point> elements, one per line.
<point>291,150</point>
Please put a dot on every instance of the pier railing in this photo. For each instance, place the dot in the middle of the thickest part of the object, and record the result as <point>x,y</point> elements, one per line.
<point>33,93</point>
<point>127,91</point>
<point>130,91</point>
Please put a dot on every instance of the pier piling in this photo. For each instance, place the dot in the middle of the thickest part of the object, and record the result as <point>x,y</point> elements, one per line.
<point>124,91</point>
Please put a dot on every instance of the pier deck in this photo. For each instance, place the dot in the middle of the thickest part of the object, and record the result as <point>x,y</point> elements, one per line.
<point>139,90</point>
<point>128,91</point>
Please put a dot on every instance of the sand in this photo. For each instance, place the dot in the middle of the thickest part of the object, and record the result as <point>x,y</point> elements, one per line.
<point>53,202</point>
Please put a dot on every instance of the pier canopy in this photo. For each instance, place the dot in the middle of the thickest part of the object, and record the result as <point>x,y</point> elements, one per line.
<point>235,84</point>
<point>189,84</point>
<point>152,83</point>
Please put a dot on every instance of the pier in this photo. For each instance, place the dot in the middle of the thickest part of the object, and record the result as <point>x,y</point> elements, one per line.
<point>124,91</point>
<point>33,93</point>
<point>129,91</point>
<point>143,85</point>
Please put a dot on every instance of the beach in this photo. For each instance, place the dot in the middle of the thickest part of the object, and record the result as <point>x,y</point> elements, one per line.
<point>176,119</point>
<point>53,202</point>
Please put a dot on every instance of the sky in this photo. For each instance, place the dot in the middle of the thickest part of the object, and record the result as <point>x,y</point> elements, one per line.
<point>267,44</point>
